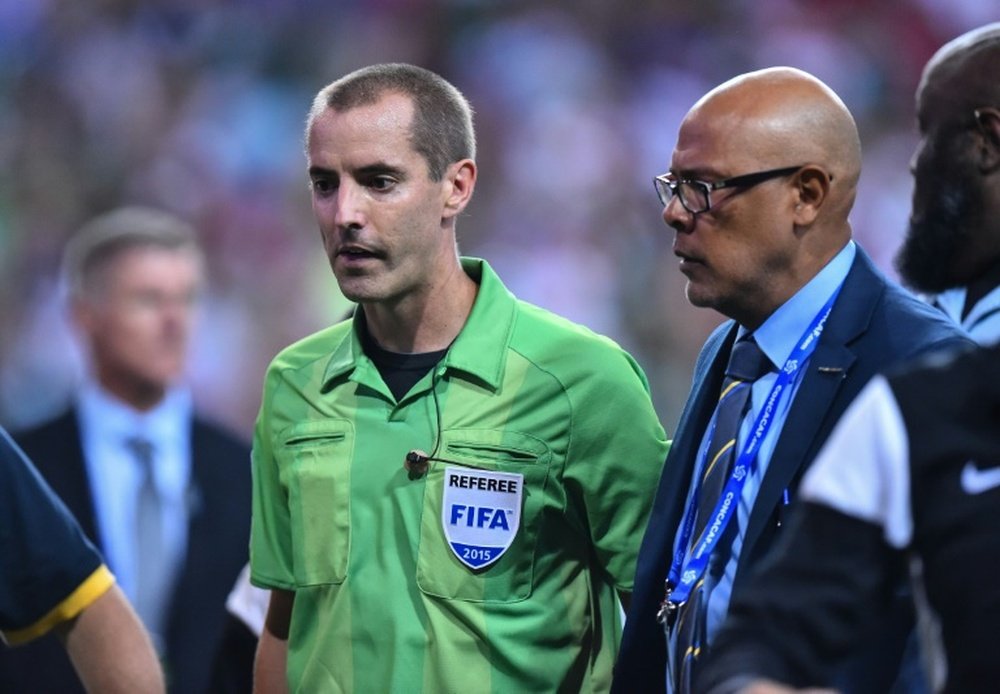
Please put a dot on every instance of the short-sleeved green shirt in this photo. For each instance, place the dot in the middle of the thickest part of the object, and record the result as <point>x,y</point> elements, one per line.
<point>383,602</point>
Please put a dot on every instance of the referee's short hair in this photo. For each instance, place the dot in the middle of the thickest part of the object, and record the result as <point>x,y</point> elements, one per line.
<point>441,130</point>
<point>105,237</point>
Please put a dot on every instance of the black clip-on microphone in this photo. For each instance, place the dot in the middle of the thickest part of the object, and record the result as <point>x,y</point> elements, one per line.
<point>416,463</point>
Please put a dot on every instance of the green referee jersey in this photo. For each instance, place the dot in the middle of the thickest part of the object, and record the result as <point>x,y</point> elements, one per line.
<point>524,400</point>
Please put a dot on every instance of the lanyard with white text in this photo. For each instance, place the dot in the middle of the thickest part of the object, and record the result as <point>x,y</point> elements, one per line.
<point>683,576</point>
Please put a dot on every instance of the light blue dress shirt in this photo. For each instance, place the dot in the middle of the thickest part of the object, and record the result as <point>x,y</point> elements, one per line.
<point>983,321</point>
<point>115,475</point>
<point>777,337</point>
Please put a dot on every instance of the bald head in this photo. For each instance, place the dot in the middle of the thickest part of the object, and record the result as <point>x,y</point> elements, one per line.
<point>953,239</point>
<point>964,71</point>
<point>778,157</point>
<point>782,117</point>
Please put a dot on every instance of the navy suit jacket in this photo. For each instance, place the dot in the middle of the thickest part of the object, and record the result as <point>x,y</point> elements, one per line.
<point>218,536</point>
<point>874,324</point>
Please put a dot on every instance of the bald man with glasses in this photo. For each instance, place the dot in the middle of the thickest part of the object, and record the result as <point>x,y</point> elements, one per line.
<point>761,183</point>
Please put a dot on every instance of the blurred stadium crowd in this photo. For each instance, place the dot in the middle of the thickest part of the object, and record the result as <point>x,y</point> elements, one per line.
<point>197,106</point>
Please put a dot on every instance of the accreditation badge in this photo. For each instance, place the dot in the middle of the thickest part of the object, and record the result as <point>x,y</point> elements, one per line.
<point>481,513</point>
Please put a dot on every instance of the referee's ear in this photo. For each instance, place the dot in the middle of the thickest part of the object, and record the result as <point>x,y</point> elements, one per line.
<point>458,183</point>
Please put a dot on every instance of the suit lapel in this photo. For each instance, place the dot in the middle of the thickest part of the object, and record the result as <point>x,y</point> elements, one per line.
<point>67,473</point>
<point>682,459</point>
<point>828,367</point>
<point>199,534</point>
<point>200,540</point>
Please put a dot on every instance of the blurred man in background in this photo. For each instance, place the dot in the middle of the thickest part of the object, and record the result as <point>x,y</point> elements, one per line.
<point>164,493</point>
<point>53,580</point>
<point>762,181</point>
<point>952,249</point>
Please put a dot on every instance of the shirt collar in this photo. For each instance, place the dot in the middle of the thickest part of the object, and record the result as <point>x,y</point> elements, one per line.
<point>115,419</point>
<point>479,349</point>
<point>952,302</point>
<point>779,334</point>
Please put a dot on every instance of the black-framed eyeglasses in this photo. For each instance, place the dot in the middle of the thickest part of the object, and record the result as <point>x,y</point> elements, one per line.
<point>696,196</point>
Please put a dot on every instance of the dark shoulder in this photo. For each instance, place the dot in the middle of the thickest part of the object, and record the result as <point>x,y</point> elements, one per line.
<point>42,441</point>
<point>221,464</point>
<point>209,433</point>
<point>63,422</point>
<point>914,326</point>
<point>897,324</point>
<point>971,372</point>
<point>891,317</point>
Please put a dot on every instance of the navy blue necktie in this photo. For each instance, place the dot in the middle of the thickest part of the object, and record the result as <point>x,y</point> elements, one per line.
<point>747,363</point>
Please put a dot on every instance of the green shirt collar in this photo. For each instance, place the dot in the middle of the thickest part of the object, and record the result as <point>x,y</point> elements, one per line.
<point>480,348</point>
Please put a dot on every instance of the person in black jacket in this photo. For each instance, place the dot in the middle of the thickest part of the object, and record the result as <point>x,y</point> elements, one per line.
<point>910,479</point>
<point>53,581</point>
<point>164,493</point>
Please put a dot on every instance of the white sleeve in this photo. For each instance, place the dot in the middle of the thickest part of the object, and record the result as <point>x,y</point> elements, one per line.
<point>248,603</point>
<point>863,469</point>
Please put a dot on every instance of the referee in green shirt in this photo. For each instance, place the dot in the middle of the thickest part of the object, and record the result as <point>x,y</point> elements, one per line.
<point>449,489</point>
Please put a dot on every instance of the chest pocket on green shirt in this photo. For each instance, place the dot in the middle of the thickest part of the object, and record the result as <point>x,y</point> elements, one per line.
<point>439,572</point>
<point>318,476</point>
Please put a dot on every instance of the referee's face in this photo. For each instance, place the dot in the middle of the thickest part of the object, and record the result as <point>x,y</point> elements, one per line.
<point>387,227</point>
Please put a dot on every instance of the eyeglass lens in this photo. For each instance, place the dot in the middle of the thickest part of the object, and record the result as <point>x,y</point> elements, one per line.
<point>693,194</point>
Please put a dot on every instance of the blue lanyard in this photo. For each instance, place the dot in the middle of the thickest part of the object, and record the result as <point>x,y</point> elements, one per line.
<point>684,575</point>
